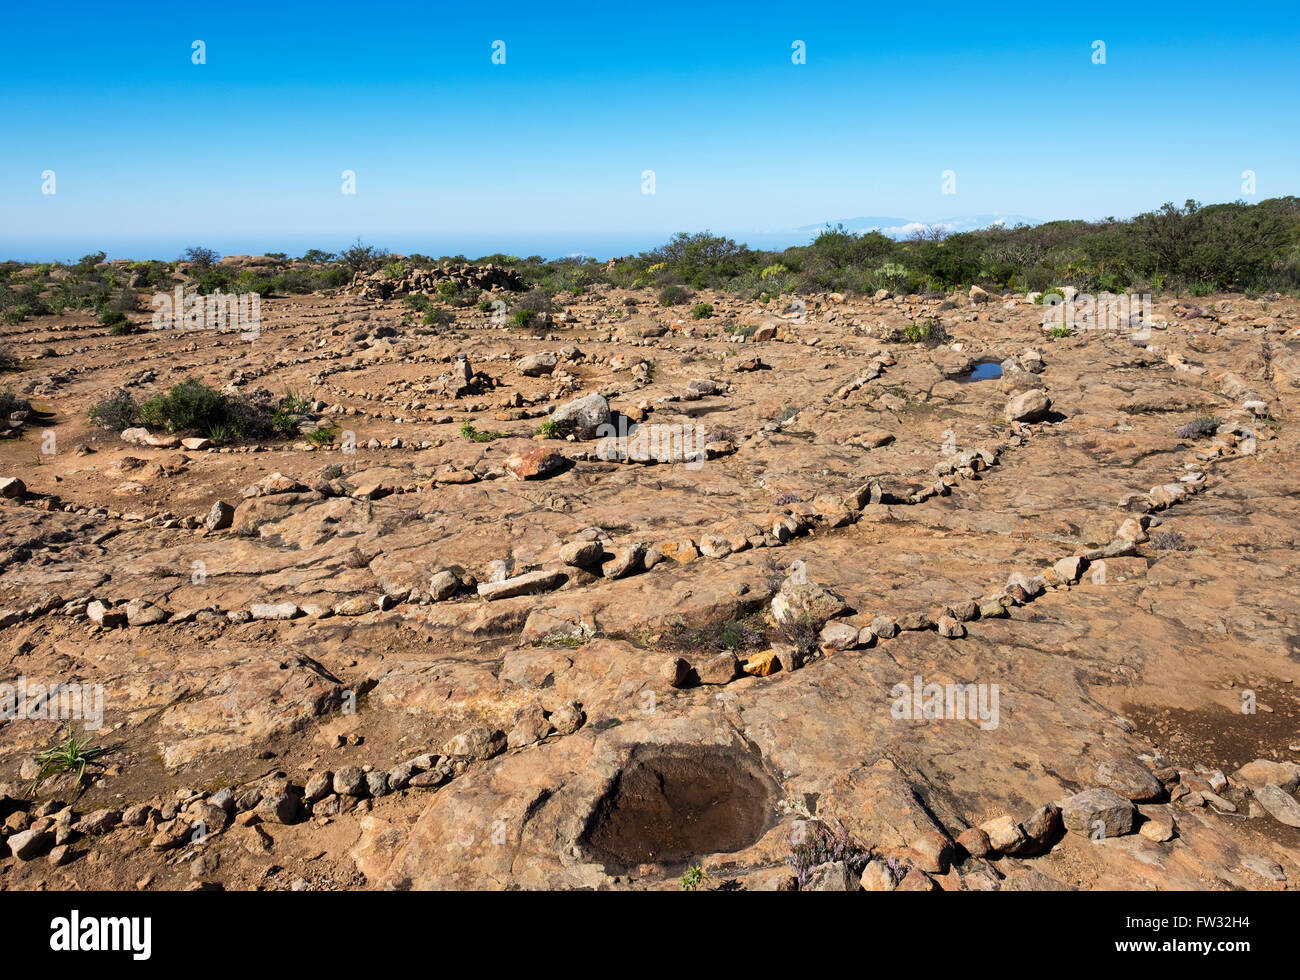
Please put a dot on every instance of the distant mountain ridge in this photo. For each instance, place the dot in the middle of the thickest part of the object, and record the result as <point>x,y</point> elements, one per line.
<point>902,227</point>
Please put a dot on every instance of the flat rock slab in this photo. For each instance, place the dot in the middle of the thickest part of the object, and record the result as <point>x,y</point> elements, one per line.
<point>530,583</point>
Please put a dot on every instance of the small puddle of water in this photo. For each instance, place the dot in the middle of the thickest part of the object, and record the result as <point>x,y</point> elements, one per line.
<point>986,371</point>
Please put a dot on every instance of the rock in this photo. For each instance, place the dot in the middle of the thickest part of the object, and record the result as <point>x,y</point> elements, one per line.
<point>917,880</point>
<point>1005,835</point>
<point>627,560</point>
<point>350,781</point>
<point>537,365</point>
<point>319,786</point>
<point>582,554</point>
<point>1099,809</point>
<point>978,296</point>
<point>568,718</point>
<point>530,727</point>
<point>443,585</point>
<point>1131,779</point>
<point>1028,406</point>
<point>276,611</point>
<point>583,416</point>
<point>60,855</point>
<point>530,583</point>
<point>950,628</point>
<point>376,783</point>
<point>932,852</point>
<point>276,483</point>
<point>29,844</point>
<point>974,842</point>
<point>1279,804</point>
<point>712,546</point>
<point>800,600</point>
<point>137,815</point>
<point>140,436</point>
<point>401,775</point>
<point>196,443</point>
<point>170,835</point>
<point>1043,827</point>
<point>762,664</point>
<point>1068,569</point>
<point>281,807</point>
<point>876,877</point>
<point>476,744</point>
<point>676,672</point>
<point>101,615</point>
<point>833,876</point>
<point>1158,823</point>
<point>536,464</point>
<point>1261,772</point>
<point>354,606</point>
<point>141,613</point>
<point>219,517</point>
<point>884,627</point>
<point>721,668</point>
<point>99,822</point>
<point>12,488</point>
<point>838,636</point>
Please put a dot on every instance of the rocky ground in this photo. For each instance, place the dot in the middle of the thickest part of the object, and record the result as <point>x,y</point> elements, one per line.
<point>409,659</point>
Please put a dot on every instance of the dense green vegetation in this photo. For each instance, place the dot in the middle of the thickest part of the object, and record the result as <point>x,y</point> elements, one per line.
<point>1194,249</point>
<point>193,407</point>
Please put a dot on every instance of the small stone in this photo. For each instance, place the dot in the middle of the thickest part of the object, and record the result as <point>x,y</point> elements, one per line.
<point>1261,772</point>
<point>932,852</point>
<point>350,781</point>
<point>1043,826</point>
<point>974,841</point>
<point>1279,804</point>
<point>530,727</point>
<point>721,668</point>
<point>536,464</point>
<point>274,611</point>
<point>281,807</point>
<point>762,664</point>
<point>475,745</point>
<point>1005,835</point>
<point>582,554</point>
<point>676,672</point>
<point>950,628</point>
<point>876,877</point>
<point>221,516</point>
<point>1131,779</point>
<point>1099,809</point>
<point>568,718</point>
<point>838,636</point>
<point>884,627</point>
<point>833,876</point>
<point>1028,406</point>
<point>319,786</point>
<point>29,844</point>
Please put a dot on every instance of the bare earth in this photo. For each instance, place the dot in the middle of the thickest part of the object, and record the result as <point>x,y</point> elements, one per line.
<point>846,464</point>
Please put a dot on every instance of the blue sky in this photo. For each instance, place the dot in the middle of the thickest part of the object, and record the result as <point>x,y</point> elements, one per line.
<point>453,153</point>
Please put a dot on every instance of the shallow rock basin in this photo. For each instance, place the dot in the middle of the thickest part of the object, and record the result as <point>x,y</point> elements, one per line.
<point>671,804</point>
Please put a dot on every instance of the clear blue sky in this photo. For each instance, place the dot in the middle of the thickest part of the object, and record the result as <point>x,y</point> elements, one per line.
<point>454,153</point>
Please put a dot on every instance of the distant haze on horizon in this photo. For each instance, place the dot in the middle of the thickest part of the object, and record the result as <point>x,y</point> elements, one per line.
<point>920,114</point>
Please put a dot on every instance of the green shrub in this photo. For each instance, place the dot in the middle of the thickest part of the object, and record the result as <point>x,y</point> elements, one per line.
<point>701,311</point>
<point>673,295</point>
<point>468,431</point>
<point>10,403</point>
<point>117,412</point>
